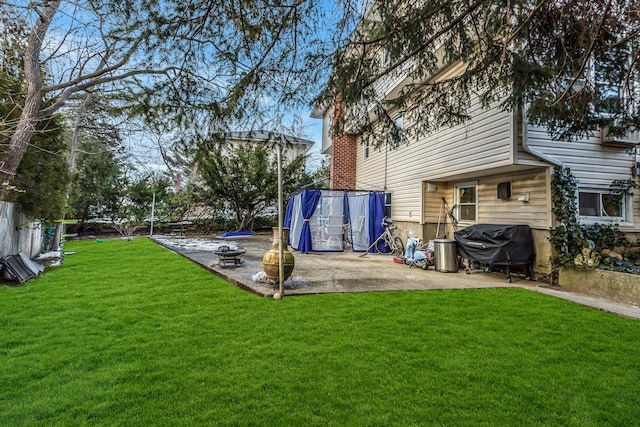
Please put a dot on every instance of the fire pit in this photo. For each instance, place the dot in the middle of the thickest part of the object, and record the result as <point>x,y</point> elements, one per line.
<point>227,255</point>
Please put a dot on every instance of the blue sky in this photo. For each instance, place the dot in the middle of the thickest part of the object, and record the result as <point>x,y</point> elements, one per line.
<point>142,148</point>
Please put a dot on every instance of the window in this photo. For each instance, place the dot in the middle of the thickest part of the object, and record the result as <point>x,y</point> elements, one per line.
<point>385,57</point>
<point>504,190</point>
<point>603,79</point>
<point>399,122</point>
<point>602,205</point>
<point>387,205</point>
<point>367,146</point>
<point>466,202</point>
<point>396,131</point>
<point>608,94</point>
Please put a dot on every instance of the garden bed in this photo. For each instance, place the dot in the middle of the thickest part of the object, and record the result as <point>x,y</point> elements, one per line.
<point>614,285</point>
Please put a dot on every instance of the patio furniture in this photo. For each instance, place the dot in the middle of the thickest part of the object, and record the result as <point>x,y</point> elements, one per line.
<point>179,228</point>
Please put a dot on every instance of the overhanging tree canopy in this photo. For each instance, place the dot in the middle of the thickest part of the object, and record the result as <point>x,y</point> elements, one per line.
<point>196,63</point>
<point>574,63</point>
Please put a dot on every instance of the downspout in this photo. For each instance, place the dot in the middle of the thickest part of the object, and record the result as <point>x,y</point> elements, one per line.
<point>549,159</point>
<point>530,150</point>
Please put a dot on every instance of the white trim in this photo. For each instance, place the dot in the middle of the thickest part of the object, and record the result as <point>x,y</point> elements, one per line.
<point>366,147</point>
<point>456,200</point>
<point>626,220</point>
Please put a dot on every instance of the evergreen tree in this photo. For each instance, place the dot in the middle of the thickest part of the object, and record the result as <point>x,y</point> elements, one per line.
<point>573,64</point>
<point>99,184</point>
<point>202,65</point>
<point>243,180</point>
<point>43,175</point>
<point>140,196</point>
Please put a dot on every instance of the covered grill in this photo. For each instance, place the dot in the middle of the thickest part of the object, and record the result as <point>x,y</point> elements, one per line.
<point>497,245</point>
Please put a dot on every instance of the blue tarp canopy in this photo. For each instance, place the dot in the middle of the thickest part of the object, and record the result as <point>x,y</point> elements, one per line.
<point>323,220</point>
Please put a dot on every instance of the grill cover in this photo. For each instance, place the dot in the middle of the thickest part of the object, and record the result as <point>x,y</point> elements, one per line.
<point>496,244</point>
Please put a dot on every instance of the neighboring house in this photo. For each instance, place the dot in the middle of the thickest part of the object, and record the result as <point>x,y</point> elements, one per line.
<point>494,169</point>
<point>292,146</point>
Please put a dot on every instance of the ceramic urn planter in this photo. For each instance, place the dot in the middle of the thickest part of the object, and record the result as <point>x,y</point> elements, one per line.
<point>270,260</point>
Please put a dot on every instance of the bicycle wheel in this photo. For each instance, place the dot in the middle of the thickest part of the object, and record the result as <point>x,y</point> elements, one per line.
<point>380,247</point>
<point>399,247</point>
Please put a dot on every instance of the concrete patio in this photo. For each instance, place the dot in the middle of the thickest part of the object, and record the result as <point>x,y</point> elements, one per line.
<point>338,272</point>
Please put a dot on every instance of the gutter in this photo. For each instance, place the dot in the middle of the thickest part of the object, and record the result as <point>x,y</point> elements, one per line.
<point>534,152</point>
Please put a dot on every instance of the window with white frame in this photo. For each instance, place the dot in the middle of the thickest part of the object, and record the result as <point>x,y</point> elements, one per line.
<point>466,202</point>
<point>385,57</point>
<point>600,77</point>
<point>399,121</point>
<point>387,204</point>
<point>397,132</point>
<point>608,94</point>
<point>366,147</point>
<point>602,206</point>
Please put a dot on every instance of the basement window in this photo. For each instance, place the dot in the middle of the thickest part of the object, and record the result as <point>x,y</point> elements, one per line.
<point>387,204</point>
<point>602,206</point>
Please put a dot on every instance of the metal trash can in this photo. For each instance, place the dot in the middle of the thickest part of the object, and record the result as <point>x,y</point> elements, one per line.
<point>446,256</point>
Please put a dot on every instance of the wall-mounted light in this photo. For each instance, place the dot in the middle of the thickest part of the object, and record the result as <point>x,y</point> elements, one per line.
<point>523,197</point>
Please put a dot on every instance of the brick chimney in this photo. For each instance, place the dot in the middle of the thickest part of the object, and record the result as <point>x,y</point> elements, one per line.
<point>343,153</point>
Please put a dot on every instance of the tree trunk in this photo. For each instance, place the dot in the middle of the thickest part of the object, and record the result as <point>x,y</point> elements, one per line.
<point>22,135</point>
<point>57,238</point>
<point>30,113</point>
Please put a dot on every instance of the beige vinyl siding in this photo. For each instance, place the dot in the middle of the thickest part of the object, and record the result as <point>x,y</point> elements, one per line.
<point>536,212</point>
<point>485,142</point>
<point>432,206</point>
<point>405,189</point>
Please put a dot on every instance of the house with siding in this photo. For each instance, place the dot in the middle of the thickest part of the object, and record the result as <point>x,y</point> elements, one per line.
<point>292,146</point>
<point>494,169</point>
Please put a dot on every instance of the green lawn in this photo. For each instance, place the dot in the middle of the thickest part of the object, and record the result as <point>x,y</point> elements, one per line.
<point>129,333</point>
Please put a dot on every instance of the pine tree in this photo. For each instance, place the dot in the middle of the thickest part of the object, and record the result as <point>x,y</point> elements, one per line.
<point>572,63</point>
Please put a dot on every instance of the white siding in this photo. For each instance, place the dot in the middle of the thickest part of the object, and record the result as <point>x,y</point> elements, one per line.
<point>593,163</point>
<point>483,143</point>
<point>326,130</point>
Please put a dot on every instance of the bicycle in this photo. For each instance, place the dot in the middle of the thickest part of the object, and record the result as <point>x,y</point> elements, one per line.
<point>387,242</point>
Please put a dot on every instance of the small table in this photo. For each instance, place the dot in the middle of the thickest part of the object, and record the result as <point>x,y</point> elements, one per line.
<point>227,255</point>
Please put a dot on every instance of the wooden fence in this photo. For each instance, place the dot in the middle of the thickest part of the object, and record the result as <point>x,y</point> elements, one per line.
<point>18,232</point>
